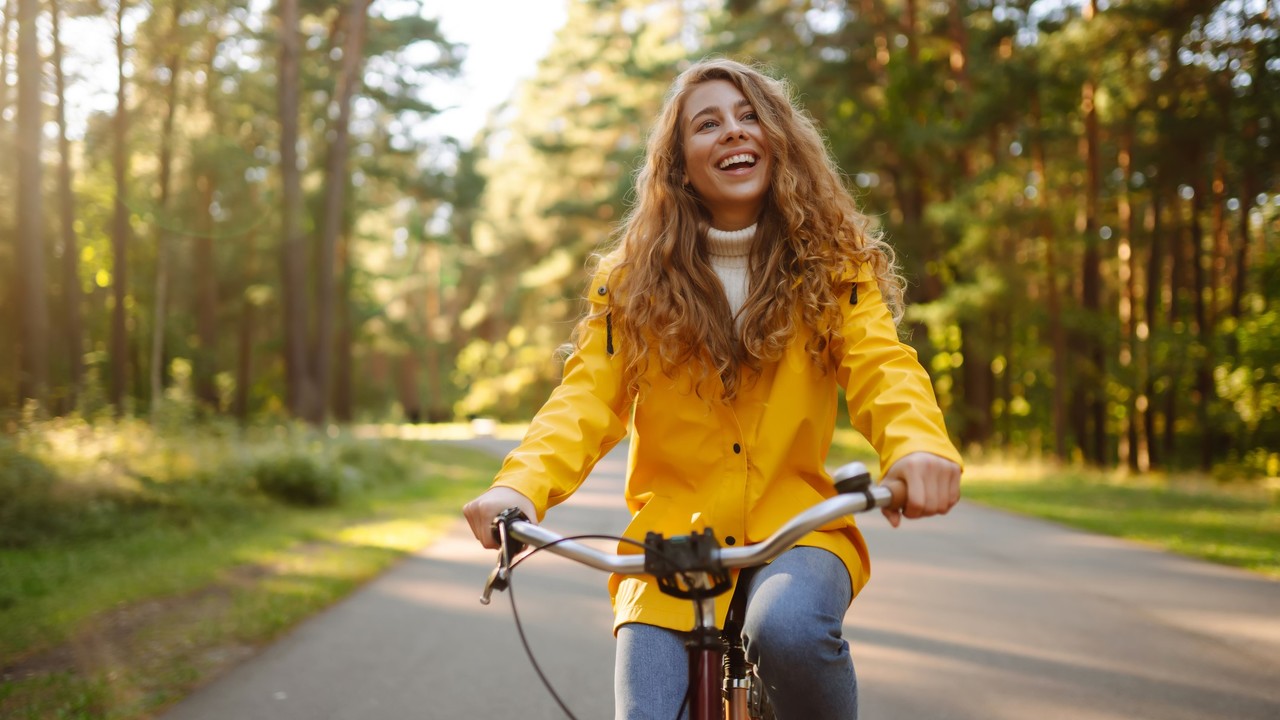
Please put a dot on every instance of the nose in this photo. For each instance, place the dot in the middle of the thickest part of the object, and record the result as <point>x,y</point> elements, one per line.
<point>732,129</point>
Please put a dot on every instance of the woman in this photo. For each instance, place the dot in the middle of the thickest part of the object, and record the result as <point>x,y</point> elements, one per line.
<point>744,288</point>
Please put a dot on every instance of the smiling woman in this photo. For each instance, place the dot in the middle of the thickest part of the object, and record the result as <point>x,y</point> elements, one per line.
<point>745,290</point>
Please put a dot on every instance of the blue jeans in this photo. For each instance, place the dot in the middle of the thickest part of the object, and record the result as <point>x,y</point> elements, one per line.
<point>795,607</point>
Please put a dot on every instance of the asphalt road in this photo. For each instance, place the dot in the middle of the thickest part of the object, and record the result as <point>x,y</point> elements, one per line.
<point>977,615</point>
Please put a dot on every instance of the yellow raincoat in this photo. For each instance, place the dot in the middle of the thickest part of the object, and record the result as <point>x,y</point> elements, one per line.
<point>741,468</point>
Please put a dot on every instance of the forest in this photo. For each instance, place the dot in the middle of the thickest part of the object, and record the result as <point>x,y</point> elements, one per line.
<point>1084,195</point>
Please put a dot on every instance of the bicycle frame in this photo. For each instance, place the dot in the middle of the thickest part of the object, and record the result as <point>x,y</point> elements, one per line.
<point>703,570</point>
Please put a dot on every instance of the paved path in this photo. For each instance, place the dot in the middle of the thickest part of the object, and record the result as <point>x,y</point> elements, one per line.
<point>979,615</point>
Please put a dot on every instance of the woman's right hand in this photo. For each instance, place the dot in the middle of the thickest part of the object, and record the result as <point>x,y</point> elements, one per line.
<point>481,512</point>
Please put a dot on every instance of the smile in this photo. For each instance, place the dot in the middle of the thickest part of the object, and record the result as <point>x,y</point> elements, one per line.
<point>739,160</point>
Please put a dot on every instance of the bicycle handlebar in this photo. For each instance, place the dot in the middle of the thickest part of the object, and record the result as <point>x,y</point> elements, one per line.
<point>730,557</point>
<point>856,495</point>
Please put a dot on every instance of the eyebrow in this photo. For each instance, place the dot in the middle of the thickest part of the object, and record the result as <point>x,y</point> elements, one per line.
<point>711,109</point>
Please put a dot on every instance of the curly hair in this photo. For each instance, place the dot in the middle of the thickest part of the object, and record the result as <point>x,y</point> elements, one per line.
<point>667,302</point>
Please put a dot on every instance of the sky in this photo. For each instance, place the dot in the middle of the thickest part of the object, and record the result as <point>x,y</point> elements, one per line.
<point>504,39</point>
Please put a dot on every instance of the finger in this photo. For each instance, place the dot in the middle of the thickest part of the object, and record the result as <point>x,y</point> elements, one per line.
<point>481,526</point>
<point>932,497</point>
<point>893,516</point>
<point>917,498</point>
<point>898,490</point>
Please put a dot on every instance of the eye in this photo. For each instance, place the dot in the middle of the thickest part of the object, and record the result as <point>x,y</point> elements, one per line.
<point>751,116</point>
<point>707,125</point>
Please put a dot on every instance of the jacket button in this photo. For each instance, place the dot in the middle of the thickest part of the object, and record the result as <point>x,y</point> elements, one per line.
<point>737,448</point>
<point>730,541</point>
<point>602,290</point>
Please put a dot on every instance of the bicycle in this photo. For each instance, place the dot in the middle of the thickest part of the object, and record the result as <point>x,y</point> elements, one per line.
<point>694,567</point>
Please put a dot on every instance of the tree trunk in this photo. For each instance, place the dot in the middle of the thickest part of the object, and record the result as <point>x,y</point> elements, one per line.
<point>1133,452</point>
<point>407,387</point>
<point>244,351</point>
<point>164,238</point>
<point>205,365</point>
<point>1151,312</point>
<point>299,390</point>
<point>1239,284</point>
<point>1173,309</point>
<point>343,410</point>
<point>353,33</point>
<point>1204,394</point>
<point>6,29</point>
<point>71,296</point>
<point>432,336</point>
<point>1092,430</point>
<point>1056,335</point>
<point>120,231</point>
<point>10,300</point>
<point>33,299</point>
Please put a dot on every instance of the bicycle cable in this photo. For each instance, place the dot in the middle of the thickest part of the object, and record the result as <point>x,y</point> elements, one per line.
<point>516,615</point>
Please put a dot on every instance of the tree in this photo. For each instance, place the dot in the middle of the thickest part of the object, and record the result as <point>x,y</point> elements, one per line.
<point>352,44</point>
<point>72,326</point>
<point>120,229</point>
<point>300,393</point>
<point>33,299</point>
<point>164,238</point>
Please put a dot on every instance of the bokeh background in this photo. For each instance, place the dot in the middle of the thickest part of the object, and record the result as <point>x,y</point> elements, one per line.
<point>253,210</point>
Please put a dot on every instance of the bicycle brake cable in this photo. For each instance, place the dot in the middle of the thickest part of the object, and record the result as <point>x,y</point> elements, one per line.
<point>516,615</point>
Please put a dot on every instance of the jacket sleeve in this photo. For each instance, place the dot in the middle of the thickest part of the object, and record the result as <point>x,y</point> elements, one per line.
<point>890,397</point>
<point>585,417</point>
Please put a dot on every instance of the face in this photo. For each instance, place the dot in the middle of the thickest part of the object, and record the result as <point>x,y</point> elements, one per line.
<point>726,155</point>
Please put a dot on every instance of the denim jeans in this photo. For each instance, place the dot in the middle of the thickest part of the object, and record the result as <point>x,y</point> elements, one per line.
<point>795,607</point>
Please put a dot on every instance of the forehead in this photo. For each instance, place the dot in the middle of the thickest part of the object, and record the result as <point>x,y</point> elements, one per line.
<point>712,94</point>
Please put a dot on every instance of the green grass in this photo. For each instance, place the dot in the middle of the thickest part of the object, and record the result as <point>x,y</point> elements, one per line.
<point>185,573</point>
<point>1231,524</point>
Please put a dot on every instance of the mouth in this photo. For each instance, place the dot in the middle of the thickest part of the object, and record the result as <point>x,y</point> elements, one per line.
<point>738,161</point>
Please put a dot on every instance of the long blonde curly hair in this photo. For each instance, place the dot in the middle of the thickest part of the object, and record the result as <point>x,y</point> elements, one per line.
<point>666,302</point>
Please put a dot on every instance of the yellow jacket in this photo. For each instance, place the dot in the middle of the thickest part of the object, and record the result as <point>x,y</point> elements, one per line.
<point>741,468</point>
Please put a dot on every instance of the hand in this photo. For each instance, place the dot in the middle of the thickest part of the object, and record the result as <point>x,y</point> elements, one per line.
<point>932,482</point>
<point>481,512</point>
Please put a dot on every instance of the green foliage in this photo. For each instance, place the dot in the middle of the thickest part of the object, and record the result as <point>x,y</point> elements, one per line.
<point>299,480</point>
<point>555,191</point>
<point>28,510</point>
<point>462,259</point>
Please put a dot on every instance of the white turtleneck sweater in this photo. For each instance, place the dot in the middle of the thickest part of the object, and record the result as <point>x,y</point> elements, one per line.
<point>729,253</point>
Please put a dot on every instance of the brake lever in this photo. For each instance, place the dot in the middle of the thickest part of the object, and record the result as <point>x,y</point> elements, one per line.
<point>497,581</point>
<point>500,576</point>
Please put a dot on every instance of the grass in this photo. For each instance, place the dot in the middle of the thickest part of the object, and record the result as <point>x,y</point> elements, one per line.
<point>187,572</point>
<point>1232,524</point>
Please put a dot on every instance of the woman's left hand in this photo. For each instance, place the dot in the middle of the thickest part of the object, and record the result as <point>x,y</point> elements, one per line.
<point>933,486</point>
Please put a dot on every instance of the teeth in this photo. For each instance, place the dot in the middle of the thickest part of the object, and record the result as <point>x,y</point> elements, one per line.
<point>740,157</point>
